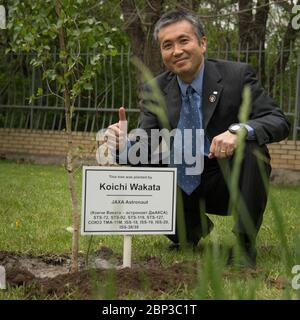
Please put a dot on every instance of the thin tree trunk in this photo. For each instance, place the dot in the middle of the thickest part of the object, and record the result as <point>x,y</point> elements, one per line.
<point>69,159</point>
<point>140,28</point>
<point>283,55</point>
<point>252,32</point>
<point>245,23</point>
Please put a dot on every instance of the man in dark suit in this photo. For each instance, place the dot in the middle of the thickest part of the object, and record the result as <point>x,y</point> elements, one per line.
<point>214,90</point>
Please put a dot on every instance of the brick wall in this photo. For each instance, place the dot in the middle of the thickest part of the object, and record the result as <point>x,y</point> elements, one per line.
<point>44,146</point>
<point>50,147</point>
<point>285,154</point>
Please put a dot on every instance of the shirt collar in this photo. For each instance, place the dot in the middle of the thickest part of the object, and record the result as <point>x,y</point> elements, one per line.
<point>196,84</point>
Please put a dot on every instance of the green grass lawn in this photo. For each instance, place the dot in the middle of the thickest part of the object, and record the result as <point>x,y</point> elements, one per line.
<point>35,212</point>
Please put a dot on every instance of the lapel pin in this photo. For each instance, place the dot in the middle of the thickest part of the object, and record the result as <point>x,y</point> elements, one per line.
<point>212,98</point>
<point>215,92</point>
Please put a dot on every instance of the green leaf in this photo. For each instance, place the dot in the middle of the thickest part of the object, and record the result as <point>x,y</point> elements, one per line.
<point>87,30</point>
<point>31,98</point>
<point>39,91</point>
<point>91,21</point>
<point>76,33</point>
<point>72,110</point>
<point>87,86</point>
<point>95,59</point>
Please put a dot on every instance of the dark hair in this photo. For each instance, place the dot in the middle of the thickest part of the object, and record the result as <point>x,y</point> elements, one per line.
<point>174,16</point>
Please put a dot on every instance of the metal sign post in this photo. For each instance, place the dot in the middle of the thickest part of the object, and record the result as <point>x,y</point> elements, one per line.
<point>2,278</point>
<point>127,245</point>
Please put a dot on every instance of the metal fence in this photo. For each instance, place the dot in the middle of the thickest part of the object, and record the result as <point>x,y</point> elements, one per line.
<point>115,85</point>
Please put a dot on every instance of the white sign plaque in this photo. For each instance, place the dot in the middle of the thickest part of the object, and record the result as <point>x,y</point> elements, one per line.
<point>128,200</point>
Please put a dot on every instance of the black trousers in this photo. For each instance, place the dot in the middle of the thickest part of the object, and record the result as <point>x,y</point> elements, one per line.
<point>213,196</point>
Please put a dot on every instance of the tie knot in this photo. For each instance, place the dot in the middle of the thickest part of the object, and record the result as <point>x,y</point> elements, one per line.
<point>190,90</point>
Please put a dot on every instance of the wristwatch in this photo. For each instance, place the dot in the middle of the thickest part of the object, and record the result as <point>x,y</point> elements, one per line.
<point>236,127</point>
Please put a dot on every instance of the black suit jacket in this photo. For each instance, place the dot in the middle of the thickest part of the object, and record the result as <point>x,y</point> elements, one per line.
<point>225,80</point>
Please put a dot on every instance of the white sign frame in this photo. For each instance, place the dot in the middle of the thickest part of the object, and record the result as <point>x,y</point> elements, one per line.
<point>92,179</point>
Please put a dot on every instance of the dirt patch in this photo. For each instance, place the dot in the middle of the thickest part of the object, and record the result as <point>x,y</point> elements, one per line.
<point>119,283</point>
<point>103,276</point>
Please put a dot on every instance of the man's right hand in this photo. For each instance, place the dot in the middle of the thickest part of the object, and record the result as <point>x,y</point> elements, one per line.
<point>116,134</point>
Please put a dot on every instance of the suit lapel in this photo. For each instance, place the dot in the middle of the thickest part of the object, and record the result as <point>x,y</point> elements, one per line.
<point>173,101</point>
<point>212,90</point>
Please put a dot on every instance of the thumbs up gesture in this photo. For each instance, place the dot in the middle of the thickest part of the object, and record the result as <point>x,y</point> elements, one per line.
<point>122,114</point>
<point>116,134</point>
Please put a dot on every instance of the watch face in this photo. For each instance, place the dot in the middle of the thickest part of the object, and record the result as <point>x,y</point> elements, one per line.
<point>235,127</point>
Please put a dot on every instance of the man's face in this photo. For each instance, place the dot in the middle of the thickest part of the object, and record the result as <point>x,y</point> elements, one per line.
<point>180,49</point>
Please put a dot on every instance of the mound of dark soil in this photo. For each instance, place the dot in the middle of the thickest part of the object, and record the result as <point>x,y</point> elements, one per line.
<point>97,283</point>
<point>49,275</point>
